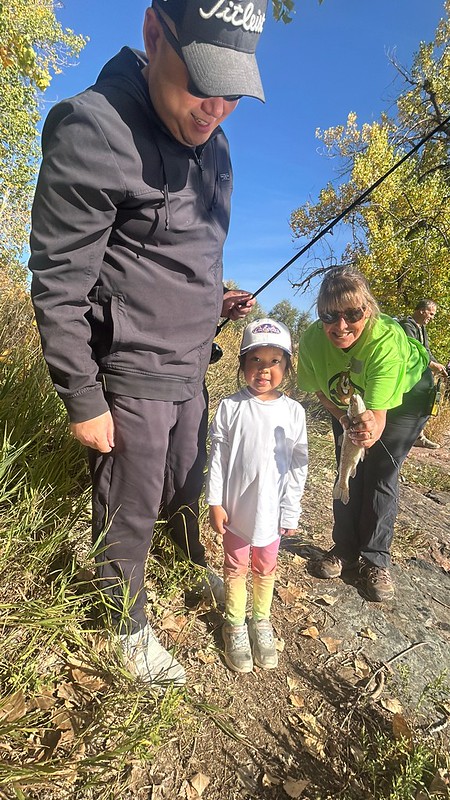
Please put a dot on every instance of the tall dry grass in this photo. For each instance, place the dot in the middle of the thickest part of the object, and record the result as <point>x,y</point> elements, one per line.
<point>73,721</point>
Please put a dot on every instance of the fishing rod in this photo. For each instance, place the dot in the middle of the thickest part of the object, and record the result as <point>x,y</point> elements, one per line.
<point>217,350</point>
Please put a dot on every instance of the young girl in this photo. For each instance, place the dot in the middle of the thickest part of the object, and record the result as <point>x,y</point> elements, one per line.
<point>256,477</point>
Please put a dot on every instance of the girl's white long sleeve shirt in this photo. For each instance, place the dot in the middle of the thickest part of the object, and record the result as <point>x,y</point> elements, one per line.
<point>258,464</point>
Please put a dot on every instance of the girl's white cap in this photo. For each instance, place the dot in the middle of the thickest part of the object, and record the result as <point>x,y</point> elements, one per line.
<point>266,331</point>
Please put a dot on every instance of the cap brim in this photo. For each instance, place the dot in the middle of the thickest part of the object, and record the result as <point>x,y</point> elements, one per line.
<point>221,72</point>
<point>253,346</point>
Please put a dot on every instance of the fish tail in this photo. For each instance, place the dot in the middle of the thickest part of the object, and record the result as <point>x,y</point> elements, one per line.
<point>341,493</point>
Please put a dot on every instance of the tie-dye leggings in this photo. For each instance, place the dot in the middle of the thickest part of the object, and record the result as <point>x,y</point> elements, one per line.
<point>263,562</point>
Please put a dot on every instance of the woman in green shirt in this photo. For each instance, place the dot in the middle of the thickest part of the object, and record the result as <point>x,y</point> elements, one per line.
<point>352,348</point>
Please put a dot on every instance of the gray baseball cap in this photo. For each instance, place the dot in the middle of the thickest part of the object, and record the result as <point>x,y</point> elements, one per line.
<point>218,40</point>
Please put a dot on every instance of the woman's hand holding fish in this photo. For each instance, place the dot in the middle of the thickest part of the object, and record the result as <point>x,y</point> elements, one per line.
<point>367,428</point>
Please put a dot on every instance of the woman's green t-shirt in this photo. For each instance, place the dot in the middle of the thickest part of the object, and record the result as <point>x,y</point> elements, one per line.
<point>382,365</point>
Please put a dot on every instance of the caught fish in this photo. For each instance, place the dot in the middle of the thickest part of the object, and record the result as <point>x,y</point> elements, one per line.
<point>351,454</point>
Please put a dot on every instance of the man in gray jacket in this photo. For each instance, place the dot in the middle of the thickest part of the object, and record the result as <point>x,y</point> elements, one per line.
<point>129,220</point>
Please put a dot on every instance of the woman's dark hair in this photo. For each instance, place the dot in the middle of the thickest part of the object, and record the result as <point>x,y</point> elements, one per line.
<point>345,287</point>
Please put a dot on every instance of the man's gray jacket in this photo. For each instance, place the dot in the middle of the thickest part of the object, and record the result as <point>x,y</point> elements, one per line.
<point>127,237</point>
<point>416,331</point>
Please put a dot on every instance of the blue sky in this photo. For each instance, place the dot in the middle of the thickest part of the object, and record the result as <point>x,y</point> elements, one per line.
<point>332,59</point>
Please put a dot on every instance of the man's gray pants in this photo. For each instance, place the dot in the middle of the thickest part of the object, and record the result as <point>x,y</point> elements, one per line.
<point>157,463</point>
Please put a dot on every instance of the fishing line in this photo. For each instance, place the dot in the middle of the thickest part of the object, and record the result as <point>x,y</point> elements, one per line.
<point>395,463</point>
<point>216,348</point>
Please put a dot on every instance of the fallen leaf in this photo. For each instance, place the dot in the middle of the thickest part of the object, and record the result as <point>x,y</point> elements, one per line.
<point>279,644</point>
<point>375,686</point>
<point>138,779</point>
<point>187,791</point>
<point>358,754</point>
<point>13,707</point>
<point>295,789</point>
<point>439,557</point>
<point>297,700</point>
<point>312,632</point>
<point>43,701</point>
<point>46,745</point>
<point>88,678</point>
<point>293,683</point>
<point>298,560</point>
<point>440,782</point>
<point>171,622</point>
<point>199,782</point>
<point>205,657</point>
<point>367,633</point>
<point>392,704</point>
<point>313,734</point>
<point>290,594</point>
<point>439,786</point>
<point>69,692</point>
<point>62,720</point>
<point>84,575</point>
<point>74,661</point>
<point>400,728</point>
<point>296,613</point>
<point>332,645</point>
<point>270,780</point>
<point>328,599</point>
<point>362,668</point>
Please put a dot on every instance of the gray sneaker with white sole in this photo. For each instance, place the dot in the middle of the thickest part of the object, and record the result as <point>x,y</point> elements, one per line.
<point>263,643</point>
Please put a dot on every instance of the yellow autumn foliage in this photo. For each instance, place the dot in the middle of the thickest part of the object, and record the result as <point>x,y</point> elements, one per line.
<point>399,236</point>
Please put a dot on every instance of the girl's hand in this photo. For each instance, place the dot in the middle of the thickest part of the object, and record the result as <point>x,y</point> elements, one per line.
<point>287,531</point>
<point>218,518</point>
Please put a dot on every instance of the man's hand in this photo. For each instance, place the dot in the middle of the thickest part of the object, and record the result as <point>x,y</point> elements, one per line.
<point>97,433</point>
<point>218,518</point>
<point>287,531</point>
<point>237,304</point>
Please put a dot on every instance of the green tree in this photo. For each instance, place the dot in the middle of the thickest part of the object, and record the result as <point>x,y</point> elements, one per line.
<point>400,236</point>
<point>297,321</point>
<point>33,46</point>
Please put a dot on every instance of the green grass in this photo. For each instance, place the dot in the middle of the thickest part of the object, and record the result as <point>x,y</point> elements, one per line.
<point>63,733</point>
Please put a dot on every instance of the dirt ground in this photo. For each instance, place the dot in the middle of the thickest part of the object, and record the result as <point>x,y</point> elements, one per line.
<point>344,664</point>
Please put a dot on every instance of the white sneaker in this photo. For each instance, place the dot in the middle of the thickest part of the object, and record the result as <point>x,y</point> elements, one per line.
<point>264,651</point>
<point>237,653</point>
<point>149,660</point>
<point>212,588</point>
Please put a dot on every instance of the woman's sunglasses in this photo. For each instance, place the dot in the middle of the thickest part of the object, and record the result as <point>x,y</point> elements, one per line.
<point>349,315</point>
<point>191,87</point>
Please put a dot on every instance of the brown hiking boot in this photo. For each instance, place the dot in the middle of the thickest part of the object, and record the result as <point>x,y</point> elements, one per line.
<point>378,582</point>
<point>331,566</point>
